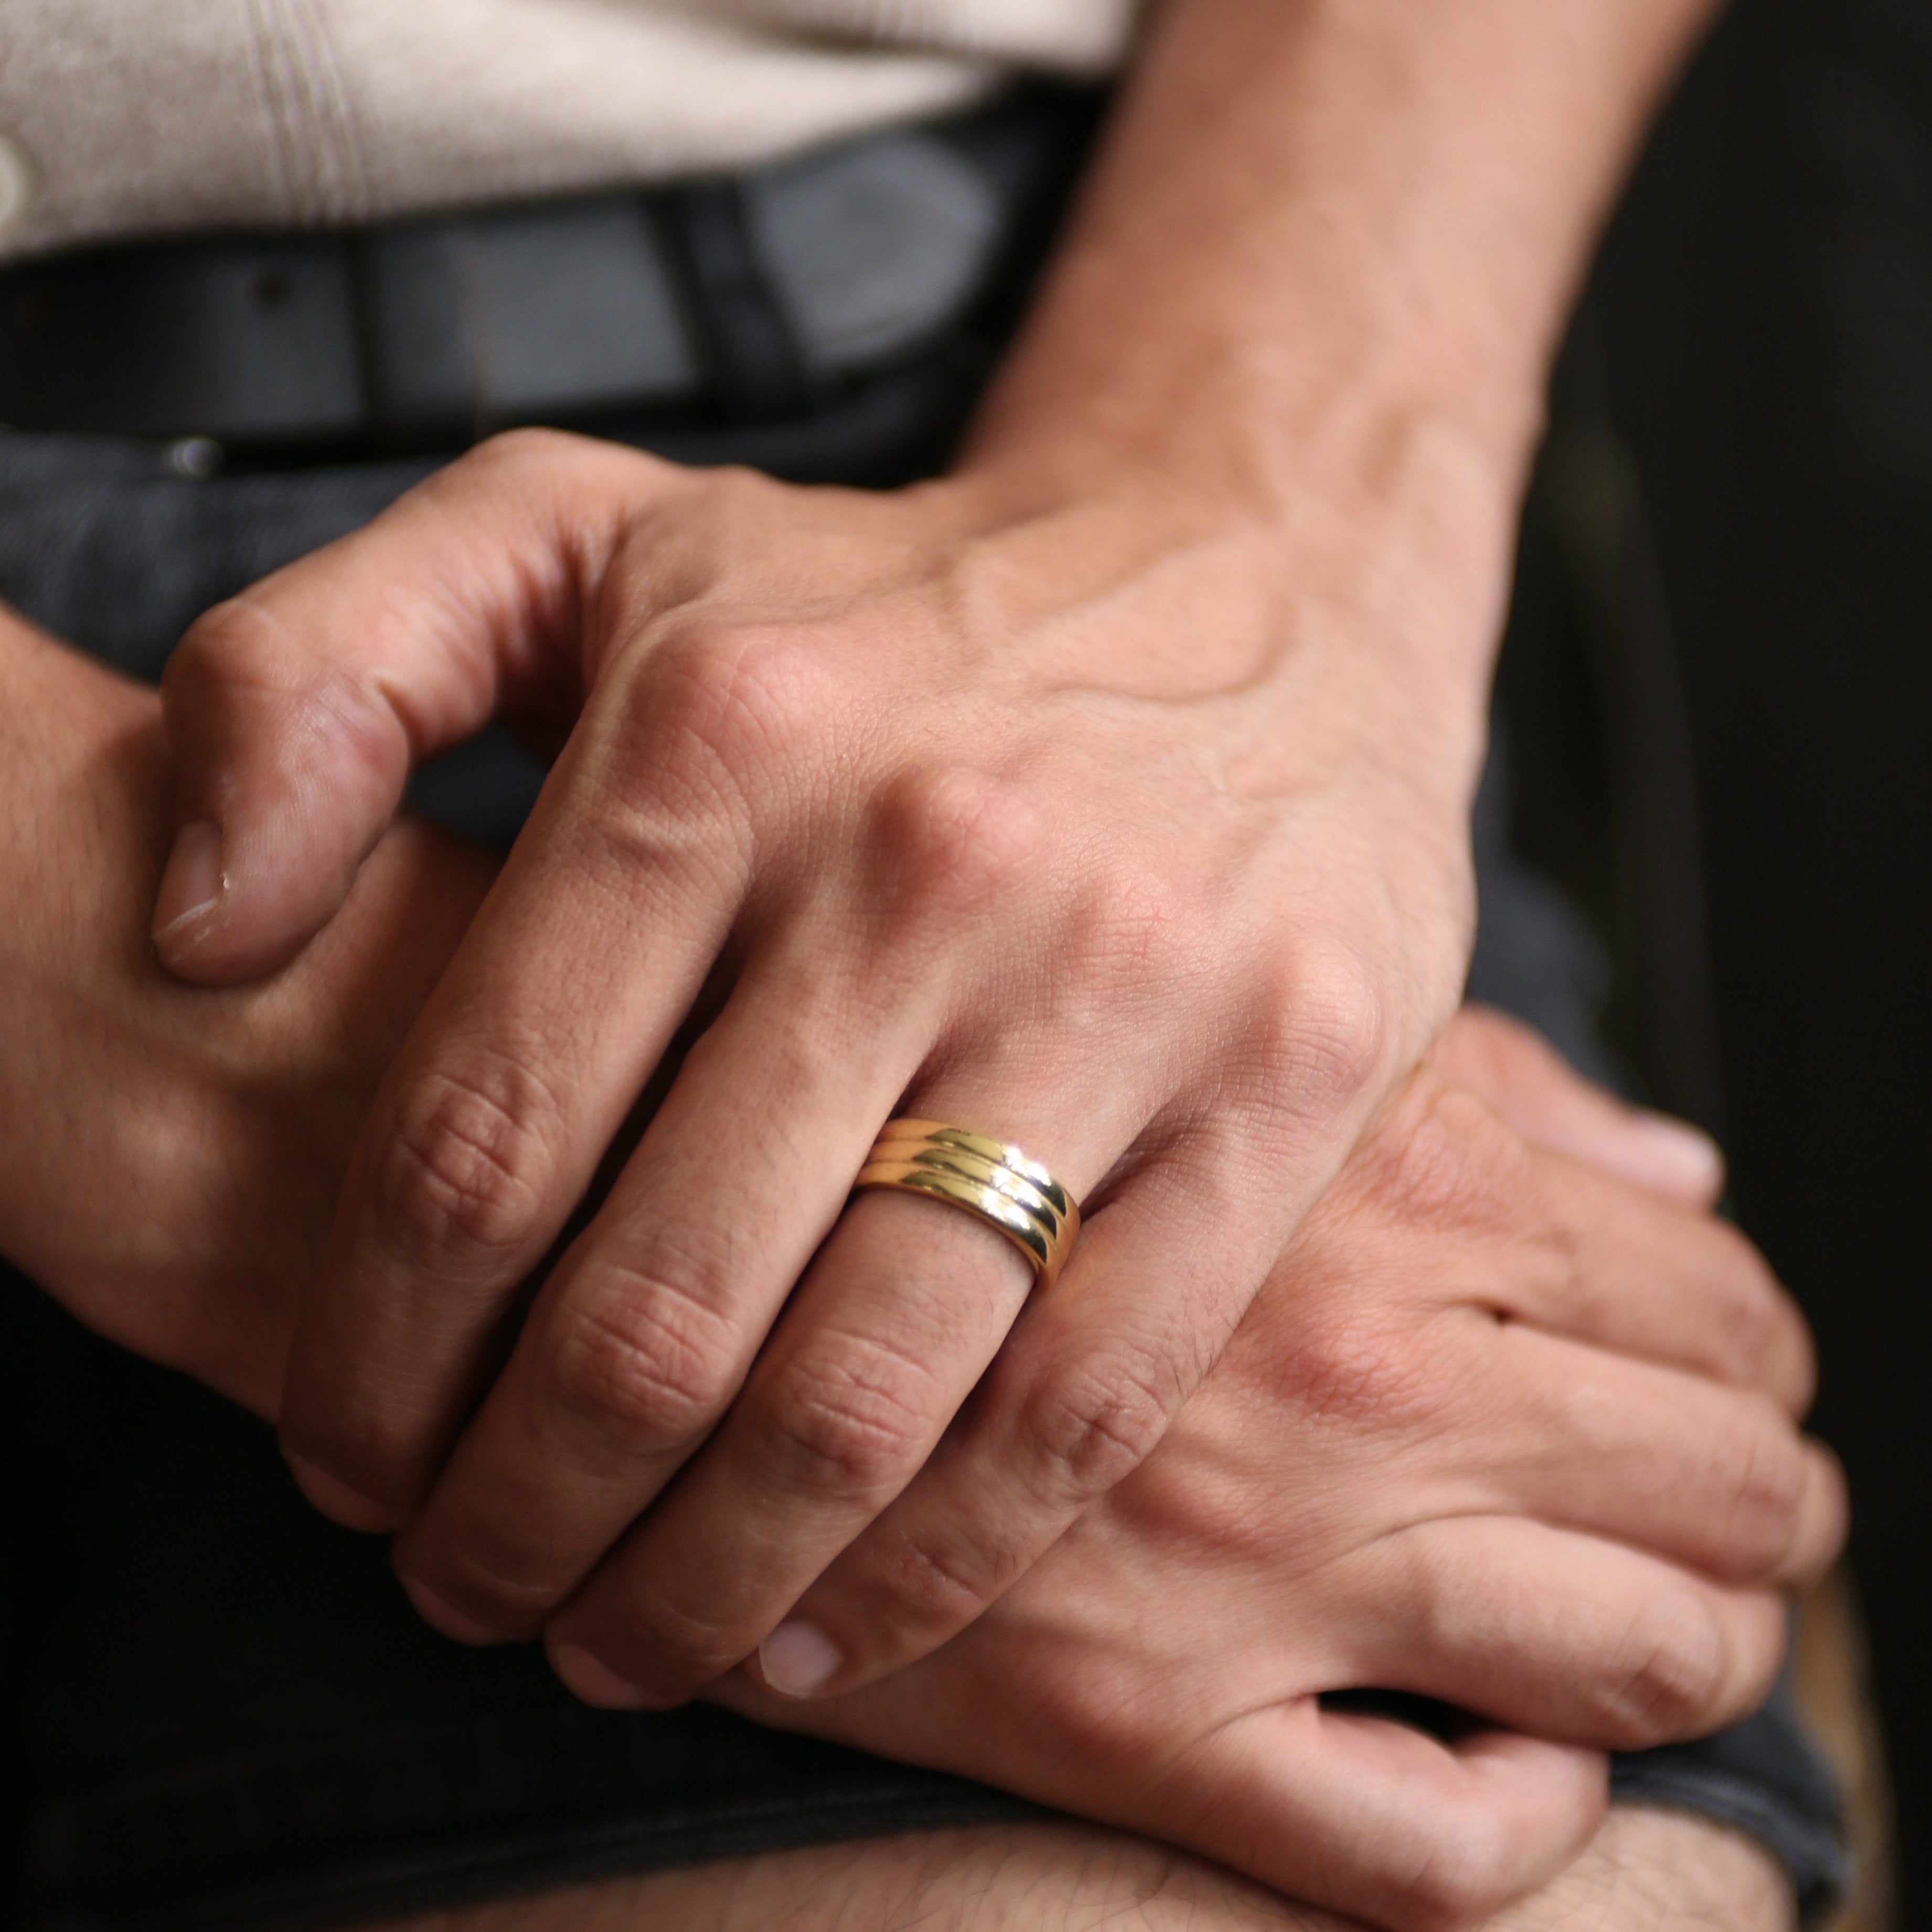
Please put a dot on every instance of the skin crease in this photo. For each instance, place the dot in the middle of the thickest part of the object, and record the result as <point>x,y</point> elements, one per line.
<point>194,1259</point>
<point>1108,794</point>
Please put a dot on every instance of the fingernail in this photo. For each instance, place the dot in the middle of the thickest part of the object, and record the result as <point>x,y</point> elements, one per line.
<point>593,1680</point>
<point>445,1617</point>
<point>797,1659</point>
<point>337,1500</point>
<point>1688,1152</point>
<point>192,886</point>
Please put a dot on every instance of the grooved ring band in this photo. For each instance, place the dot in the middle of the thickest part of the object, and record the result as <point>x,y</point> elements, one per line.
<point>1005,1188</point>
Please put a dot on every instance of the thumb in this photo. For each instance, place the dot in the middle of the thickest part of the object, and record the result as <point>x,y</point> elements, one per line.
<point>296,711</point>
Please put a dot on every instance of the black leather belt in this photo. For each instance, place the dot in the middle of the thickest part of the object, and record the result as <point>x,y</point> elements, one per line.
<point>755,294</point>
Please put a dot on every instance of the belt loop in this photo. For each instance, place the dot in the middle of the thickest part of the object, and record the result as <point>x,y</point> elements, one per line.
<point>744,334</point>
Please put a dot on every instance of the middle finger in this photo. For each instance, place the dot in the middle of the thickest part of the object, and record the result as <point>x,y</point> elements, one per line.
<point>644,1333</point>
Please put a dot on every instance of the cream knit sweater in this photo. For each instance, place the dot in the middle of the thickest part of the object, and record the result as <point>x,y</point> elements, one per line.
<point>134,117</point>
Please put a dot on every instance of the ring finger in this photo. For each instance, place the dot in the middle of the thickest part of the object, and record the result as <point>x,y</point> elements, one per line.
<point>884,1339</point>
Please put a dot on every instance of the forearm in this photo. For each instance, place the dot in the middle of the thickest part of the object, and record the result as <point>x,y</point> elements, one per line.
<point>1339,198</point>
<point>1324,252</point>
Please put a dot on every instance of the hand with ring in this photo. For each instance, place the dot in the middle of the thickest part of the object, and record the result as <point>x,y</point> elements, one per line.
<point>1105,798</point>
<point>1509,1426</point>
<point>861,820</point>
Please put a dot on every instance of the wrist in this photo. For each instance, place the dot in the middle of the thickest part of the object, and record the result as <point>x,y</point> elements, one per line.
<point>1372,557</point>
<point>1362,393</point>
<point>1318,269</point>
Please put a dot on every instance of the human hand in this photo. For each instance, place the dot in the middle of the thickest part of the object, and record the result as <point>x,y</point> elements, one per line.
<point>1108,796</point>
<point>172,1156</point>
<point>1502,1429</point>
<point>1649,1871</point>
<point>1133,835</point>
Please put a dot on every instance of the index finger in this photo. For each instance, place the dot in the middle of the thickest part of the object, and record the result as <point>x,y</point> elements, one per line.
<point>295,711</point>
<point>566,993</point>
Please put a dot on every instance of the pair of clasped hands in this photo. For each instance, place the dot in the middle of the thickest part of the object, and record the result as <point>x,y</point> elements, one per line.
<point>1391,1355</point>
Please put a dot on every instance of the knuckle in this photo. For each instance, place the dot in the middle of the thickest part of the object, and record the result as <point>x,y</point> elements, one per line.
<point>1464,1868</point>
<point>1770,1345</point>
<point>741,698</point>
<point>852,1422</point>
<point>497,1581</point>
<point>1757,1330</point>
<point>953,837</point>
<point>1768,1340</point>
<point>1762,1477</point>
<point>1128,941</point>
<point>716,738</point>
<point>1445,1162</point>
<point>647,1359</point>
<point>522,459</point>
<point>927,1587</point>
<point>520,449</point>
<point>668,1649</point>
<point>235,642</point>
<point>1791,1372</point>
<point>1349,1363</point>
<point>1824,1520</point>
<point>468,1166</point>
<point>1328,1032</point>
<point>1670,1675</point>
<point>242,691</point>
<point>1089,1423</point>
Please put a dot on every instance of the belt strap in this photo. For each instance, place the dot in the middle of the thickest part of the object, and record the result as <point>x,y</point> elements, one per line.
<point>755,293</point>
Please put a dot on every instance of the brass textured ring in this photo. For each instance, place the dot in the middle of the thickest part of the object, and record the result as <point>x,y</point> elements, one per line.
<point>1005,1188</point>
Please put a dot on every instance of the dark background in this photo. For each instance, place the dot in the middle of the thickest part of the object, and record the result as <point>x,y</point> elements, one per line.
<point>1720,674</point>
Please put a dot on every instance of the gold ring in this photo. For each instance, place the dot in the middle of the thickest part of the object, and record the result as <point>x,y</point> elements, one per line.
<point>1005,1188</point>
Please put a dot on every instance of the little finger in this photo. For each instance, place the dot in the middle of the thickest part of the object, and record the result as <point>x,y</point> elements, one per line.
<point>1562,1635</point>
